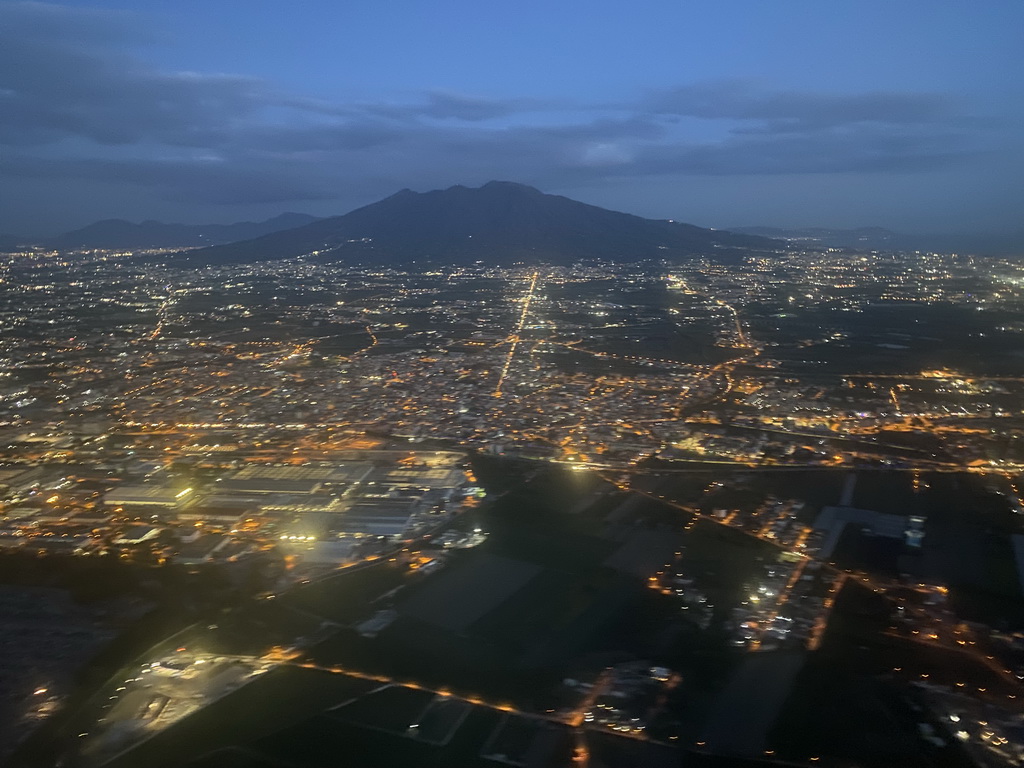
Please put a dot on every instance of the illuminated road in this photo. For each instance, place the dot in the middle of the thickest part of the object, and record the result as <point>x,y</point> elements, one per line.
<point>574,345</point>
<point>574,718</point>
<point>821,622</point>
<point>514,337</point>
<point>373,343</point>
<point>736,319</point>
<point>974,655</point>
<point>765,623</point>
<point>161,313</point>
<point>577,716</point>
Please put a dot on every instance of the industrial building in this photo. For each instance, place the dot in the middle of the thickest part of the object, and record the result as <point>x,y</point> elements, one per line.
<point>374,518</point>
<point>149,495</point>
<point>288,479</point>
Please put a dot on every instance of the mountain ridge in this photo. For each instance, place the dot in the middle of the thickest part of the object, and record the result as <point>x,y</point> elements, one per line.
<point>882,239</point>
<point>122,234</point>
<point>499,222</point>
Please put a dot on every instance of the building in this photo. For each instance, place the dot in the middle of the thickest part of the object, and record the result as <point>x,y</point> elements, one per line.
<point>218,510</point>
<point>138,534</point>
<point>200,550</point>
<point>19,478</point>
<point>272,479</point>
<point>146,495</point>
<point>374,518</point>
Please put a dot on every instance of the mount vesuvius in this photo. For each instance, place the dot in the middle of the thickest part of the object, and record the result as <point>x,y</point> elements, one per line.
<point>498,223</point>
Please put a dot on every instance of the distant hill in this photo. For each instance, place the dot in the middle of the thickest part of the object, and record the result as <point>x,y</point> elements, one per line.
<point>10,243</point>
<point>119,234</point>
<point>868,238</point>
<point>879,239</point>
<point>498,223</point>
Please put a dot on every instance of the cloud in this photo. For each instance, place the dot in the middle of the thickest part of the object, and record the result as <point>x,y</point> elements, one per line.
<point>766,110</point>
<point>447,105</point>
<point>207,179</point>
<point>852,151</point>
<point>76,103</point>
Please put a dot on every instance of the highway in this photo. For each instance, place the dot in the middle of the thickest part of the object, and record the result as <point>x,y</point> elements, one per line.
<point>514,337</point>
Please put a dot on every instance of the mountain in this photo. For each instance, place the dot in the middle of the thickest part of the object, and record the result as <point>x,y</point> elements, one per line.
<point>119,234</point>
<point>10,243</point>
<point>499,223</point>
<point>866,238</point>
<point>879,239</point>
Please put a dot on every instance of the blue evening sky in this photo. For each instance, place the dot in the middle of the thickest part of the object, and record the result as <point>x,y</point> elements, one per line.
<point>845,113</point>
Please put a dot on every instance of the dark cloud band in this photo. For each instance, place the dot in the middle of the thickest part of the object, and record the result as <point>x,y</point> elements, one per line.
<point>75,104</point>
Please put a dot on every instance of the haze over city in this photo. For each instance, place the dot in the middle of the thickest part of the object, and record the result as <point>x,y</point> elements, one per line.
<point>903,115</point>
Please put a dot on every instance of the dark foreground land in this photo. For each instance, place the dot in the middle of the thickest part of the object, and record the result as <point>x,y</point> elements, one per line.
<point>535,647</point>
